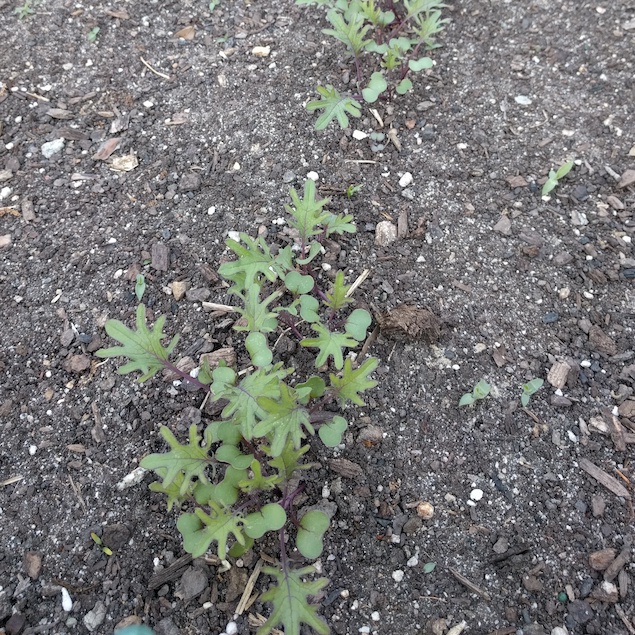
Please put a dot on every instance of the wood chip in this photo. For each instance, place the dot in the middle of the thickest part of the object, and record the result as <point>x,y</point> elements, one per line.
<point>227,355</point>
<point>59,113</point>
<point>346,468</point>
<point>617,565</point>
<point>470,585</point>
<point>603,478</point>
<point>27,211</point>
<point>558,374</point>
<point>628,178</point>
<point>160,257</point>
<point>600,560</point>
<point>106,149</point>
<point>173,572</point>
<point>402,224</point>
<point>616,429</point>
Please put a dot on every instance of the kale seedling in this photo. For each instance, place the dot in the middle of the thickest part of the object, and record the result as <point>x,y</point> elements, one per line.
<point>26,9</point>
<point>554,177</point>
<point>529,389</point>
<point>238,477</point>
<point>392,34</point>
<point>480,391</point>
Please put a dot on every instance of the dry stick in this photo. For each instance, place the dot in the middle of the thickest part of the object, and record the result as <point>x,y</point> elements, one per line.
<point>153,70</point>
<point>246,596</point>
<point>470,585</point>
<point>213,306</point>
<point>603,478</point>
<point>620,611</point>
<point>615,428</point>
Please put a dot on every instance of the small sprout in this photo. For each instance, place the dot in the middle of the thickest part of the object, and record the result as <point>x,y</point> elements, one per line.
<point>554,177</point>
<point>93,33</point>
<point>25,10</point>
<point>480,391</point>
<point>98,541</point>
<point>212,5</point>
<point>140,286</point>
<point>429,567</point>
<point>352,189</point>
<point>529,389</point>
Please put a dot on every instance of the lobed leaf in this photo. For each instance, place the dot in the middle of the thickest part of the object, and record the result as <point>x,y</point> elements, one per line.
<point>330,344</point>
<point>142,347</point>
<point>352,382</point>
<point>335,106</point>
<point>290,598</point>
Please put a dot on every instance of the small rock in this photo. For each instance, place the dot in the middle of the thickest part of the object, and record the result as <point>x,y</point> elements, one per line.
<point>599,560</point>
<point>77,363</point>
<point>476,494</point>
<point>51,147</point>
<point>95,617</point>
<point>359,135</point>
<point>578,218</point>
<point>160,257</point>
<point>550,317</point>
<point>534,629</point>
<point>193,583</point>
<point>406,180</point>
<point>627,409</point>
<point>5,175</point>
<point>600,342</point>
<point>130,620</point>
<point>580,611</point>
<point>385,233</point>
<point>560,401</point>
<point>586,587</point>
<point>27,211</point>
<point>628,178</point>
<point>501,545</point>
<point>425,510</point>
<point>346,468</point>
<point>522,100</point>
<point>33,564</point>
<point>559,630</point>
<point>532,583</point>
<point>190,182</point>
<point>261,51</point>
<point>5,241</point>
<point>615,202</point>
<point>412,526</point>
<point>606,592</point>
<point>370,436</point>
<point>179,287</point>
<point>67,337</point>
<point>15,624</point>
<point>199,294</point>
<point>397,575</point>
<point>580,192</point>
<point>166,627</point>
<point>116,536</point>
<point>563,258</point>
<point>503,226</point>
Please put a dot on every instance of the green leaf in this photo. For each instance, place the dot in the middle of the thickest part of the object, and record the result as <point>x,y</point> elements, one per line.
<point>231,454</point>
<point>309,307</point>
<point>351,33</point>
<point>533,386</point>
<point>199,530</point>
<point>140,286</point>
<point>352,382</point>
<point>331,432</point>
<point>310,533</point>
<point>307,213</point>
<point>337,298</point>
<point>270,517</point>
<point>549,185</point>
<point>285,418</point>
<point>481,390</point>
<point>254,260</point>
<point>290,600</point>
<point>256,345</point>
<point>335,106</point>
<point>357,323</point>
<point>289,461</point>
<point>314,250</point>
<point>297,283</point>
<point>420,64</point>
<point>563,170</point>
<point>376,86</point>
<point>225,493</point>
<point>256,313</point>
<point>257,481</point>
<point>330,344</point>
<point>403,86</point>
<point>466,399</point>
<point>243,406</point>
<point>429,567</point>
<point>189,460</point>
<point>173,490</point>
<point>342,222</point>
<point>524,399</point>
<point>317,386</point>
<point>142,347</point>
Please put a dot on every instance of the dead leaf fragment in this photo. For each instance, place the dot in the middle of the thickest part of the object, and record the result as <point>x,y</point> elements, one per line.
<point>227,355</point>
<point>125,163</point>
<point>106,149</point>
<point>77,363</point>
<point>408,322</point>
<point>120,14</point>
<point>346,468</point>
<point>186,33</point>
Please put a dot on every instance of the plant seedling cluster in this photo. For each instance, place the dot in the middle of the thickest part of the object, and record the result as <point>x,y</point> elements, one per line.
<point>554,177</point>
<point>237,478</point>
<point>391,35</point>
<point>480,391</point>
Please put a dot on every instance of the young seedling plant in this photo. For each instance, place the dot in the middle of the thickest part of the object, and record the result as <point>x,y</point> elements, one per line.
<point>239,477</point>
<point>387,39</point>
<point>529,389</point>
<point>554,177</point>
<point>480,391</point>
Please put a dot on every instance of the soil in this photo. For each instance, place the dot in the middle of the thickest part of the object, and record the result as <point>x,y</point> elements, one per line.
<point>521,285</point>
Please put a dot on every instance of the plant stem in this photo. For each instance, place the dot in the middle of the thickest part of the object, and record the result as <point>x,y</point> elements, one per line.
<point>185,376</point>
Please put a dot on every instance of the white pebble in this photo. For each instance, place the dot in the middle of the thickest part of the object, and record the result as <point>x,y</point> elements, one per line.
<point>32,449</point>
<point>375,616</point>
<point>413,562</point>
<point>312,175</point>
<point>52,147</point>
<point>523,100</point>
<point>231,628</point>
<point>67,603</point>
<point>559,630</point>
<point>398,575</point>
<point>234,235</point>
<point>364,629</point>
<point>148,104</point>
<point>359,135</point>
<point>476,494</point>
<point>406,180</point>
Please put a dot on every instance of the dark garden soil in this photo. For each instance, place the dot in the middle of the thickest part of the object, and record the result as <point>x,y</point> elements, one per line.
<point>525,288</point>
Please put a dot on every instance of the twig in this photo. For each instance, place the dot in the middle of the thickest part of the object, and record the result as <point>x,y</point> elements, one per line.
<point>153,70</point>
<point>213,306</point>
<point>77,493</point>
<point>362,276</point>
<point>620,612</point>
<point>603,478</point>
<point>37,97</point>
<point>244,603</point>
<point>11,480</point>
<point>470,585</point>
<point>359,161</point>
